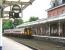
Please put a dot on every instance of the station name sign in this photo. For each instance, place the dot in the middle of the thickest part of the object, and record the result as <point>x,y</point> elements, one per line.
<point>16,8</point>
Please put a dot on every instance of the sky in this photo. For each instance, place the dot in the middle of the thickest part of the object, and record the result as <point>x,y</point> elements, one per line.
<point>37,9</point>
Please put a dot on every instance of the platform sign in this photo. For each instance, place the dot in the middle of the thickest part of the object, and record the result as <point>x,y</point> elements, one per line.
<point>0,33</point>
<point>16,8</point>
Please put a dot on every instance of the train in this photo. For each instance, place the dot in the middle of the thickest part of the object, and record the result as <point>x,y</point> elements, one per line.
<point>18,32</point>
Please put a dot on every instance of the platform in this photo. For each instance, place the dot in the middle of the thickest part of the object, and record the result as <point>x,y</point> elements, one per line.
<point>9,44</point>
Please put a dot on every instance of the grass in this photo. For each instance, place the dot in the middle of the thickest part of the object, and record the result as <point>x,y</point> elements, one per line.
<point>39,45</point>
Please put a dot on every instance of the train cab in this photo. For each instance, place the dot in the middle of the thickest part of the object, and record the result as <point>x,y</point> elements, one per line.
<point>28,31</point>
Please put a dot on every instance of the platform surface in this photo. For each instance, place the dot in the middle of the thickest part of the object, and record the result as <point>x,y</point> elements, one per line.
<point>9,44</point>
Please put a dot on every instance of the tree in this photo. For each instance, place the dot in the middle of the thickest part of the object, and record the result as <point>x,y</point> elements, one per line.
<point>7,24</point>
<point>18,22</point>
<point>33,19</point>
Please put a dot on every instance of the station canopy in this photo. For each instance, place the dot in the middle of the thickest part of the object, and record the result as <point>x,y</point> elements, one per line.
<point>9,3</point>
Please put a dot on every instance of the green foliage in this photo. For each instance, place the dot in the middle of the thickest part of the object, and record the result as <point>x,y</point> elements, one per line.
<point>33,18</point>
<point>18,22</point>
<point>7,24</point>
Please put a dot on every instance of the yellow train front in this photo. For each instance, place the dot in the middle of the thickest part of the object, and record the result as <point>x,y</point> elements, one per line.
<point>28,32</point>
<point>19,32</point>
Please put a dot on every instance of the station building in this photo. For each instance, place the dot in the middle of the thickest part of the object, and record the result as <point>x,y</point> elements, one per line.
<point>54,25</point>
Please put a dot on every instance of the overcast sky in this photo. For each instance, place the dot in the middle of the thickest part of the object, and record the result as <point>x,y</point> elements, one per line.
<point>38,9</point>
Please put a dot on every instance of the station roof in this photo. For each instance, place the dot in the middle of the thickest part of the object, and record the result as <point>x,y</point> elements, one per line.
<point>24,3</point>
<point>48,20</point>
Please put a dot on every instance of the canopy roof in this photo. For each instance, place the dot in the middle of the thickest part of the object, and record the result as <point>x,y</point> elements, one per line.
<point>48,20</point>
<point>23,3</point>
<point>7,3</point>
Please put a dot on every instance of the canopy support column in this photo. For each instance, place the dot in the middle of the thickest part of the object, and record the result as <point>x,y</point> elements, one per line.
<point>59,28</point>
<point>49,29</point>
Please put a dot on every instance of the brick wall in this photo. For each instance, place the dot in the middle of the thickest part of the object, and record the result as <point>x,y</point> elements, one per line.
<point>56,11</point>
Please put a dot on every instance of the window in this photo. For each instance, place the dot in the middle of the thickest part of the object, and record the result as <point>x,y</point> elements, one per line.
<point>53,4</point>
<point>59,2</point>
<point>63,1</point>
